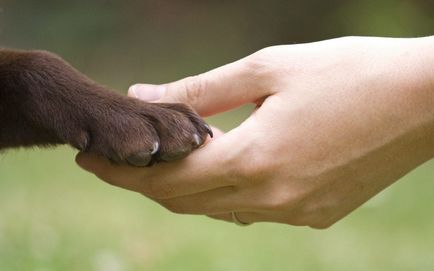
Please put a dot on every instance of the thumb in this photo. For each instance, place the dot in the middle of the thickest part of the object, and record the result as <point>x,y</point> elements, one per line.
<point>212,92</point>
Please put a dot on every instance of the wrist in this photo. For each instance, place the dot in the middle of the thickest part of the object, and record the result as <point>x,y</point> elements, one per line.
<point>426,56</point>
<point>407,78</point>
<point>425,87</point>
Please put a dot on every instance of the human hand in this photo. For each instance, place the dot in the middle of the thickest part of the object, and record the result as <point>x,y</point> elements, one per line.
<point>336,122</point>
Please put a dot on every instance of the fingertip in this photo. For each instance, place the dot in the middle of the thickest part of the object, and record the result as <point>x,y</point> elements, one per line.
<point>89,161</point>
<point>81,160</point>
<point>132,91</point>
<point>146,92</point>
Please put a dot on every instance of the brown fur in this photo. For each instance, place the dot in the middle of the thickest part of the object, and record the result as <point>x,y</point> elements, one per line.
<point>44,101</point>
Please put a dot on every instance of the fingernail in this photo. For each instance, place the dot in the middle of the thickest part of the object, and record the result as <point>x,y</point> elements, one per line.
<point>147,92</point>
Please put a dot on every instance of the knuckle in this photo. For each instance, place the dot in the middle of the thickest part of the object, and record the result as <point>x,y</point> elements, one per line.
<point>317,216</point>
<point>280,200</point>
<point>276,203</point>
<point>320,215</point>
<point>264,53</point>
<point>193,88</point>
<point>261,63</point>
<point>255,170</point>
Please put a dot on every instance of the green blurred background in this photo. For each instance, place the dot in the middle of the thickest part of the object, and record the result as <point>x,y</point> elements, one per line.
<point>54,216</point>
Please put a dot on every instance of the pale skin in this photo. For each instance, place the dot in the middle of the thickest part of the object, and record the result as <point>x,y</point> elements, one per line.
<point>336,122</point>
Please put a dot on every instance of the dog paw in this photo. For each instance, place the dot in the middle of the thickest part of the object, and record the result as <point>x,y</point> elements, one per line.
<point>139,133</point>
<point>53,103</point>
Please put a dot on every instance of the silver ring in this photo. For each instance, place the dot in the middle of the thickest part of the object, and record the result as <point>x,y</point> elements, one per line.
<point>237,221</point>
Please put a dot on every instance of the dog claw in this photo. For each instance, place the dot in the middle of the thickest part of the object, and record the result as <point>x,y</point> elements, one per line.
<point>208,130</point>
<point>196,141</point>
<point>155,148</point>
<point>83,146</point>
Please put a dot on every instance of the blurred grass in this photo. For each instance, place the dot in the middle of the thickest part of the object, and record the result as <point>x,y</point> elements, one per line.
<point>54,216</point>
